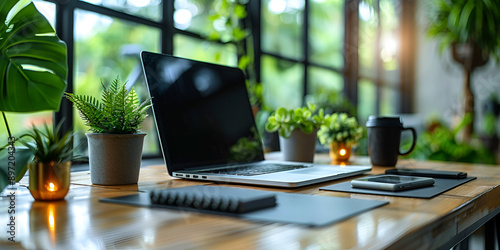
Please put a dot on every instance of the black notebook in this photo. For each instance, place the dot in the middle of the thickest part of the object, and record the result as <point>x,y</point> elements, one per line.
<point>201,197</point>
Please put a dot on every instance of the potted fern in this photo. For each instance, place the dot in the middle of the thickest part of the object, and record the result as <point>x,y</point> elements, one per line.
<point>115,142</point>
<point>297,129</point>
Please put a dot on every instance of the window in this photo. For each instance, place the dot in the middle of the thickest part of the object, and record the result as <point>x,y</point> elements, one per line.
<point>378,64</point>
<point>304,50</point>
<point>105,48</point>
<point>105,37</point>
<point>315,49</point>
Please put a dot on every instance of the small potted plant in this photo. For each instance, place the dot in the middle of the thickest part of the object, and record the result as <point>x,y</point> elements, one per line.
<point>340,132</point>
<point>297,130</point>
<point>49,157</point>
<point>115,142</point>
<point>51,166</point>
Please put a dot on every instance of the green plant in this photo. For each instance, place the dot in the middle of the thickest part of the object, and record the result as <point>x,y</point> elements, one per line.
<point>33,74</point>
<point>468,27</point>
<point>491,111</point>
<point>285,121</point>
<point>33,67</point>
<point>490,124</point>
<point>339,127</point>
<point>46,145</point>
<point>463,21</point>
<point>119,111</point>
<point>439,143</point>
<point>50,145</point>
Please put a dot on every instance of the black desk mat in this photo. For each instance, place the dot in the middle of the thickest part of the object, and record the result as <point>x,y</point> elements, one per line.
<point>440,186</point>
<point>302,209</point>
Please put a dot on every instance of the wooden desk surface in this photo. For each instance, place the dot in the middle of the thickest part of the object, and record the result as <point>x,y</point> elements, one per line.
<point>81,221</point>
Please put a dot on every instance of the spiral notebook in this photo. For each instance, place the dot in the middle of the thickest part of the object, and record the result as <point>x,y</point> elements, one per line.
<point>231,200</point>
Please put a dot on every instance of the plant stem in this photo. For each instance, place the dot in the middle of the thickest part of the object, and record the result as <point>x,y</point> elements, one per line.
<point>6,124</point>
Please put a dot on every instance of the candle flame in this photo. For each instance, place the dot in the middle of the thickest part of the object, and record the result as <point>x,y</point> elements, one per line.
<point>342,152</point>
<point>51,187</point>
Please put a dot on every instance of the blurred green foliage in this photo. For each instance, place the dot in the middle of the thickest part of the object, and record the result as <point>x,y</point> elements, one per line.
<point>440,143</point>
<point>339,127</point>
<point>228,26</point>
<point>466,21</point>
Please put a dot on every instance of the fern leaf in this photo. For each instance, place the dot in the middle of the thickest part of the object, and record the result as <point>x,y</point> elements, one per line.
<point>119,112</point>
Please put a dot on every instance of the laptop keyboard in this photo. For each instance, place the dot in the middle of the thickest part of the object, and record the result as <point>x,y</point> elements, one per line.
<point>255,169</point>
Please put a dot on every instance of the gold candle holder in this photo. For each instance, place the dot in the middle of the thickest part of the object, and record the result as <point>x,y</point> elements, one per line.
<point>49,181</point>
<point>340,151</point>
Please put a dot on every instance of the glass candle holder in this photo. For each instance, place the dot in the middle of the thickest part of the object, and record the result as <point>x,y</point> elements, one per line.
<point>49,181</point>
<point>340,151</point>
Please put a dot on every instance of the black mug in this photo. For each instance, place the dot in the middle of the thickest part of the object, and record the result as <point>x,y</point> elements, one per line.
<point>384,136</point>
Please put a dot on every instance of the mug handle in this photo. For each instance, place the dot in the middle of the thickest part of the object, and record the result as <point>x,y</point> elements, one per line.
<point>414,142</point>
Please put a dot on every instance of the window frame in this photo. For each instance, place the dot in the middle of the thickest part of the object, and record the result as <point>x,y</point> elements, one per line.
<point>65,13</point>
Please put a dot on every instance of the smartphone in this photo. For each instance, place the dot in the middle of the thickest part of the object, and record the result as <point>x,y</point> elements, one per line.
<point>392,182</point>
<point>427,173</point>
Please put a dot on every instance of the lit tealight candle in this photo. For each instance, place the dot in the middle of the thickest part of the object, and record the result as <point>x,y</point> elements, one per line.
<point>51,187</point>
<point>340,152</point>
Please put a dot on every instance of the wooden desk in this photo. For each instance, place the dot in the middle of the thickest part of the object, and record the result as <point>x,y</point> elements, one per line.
<point>81,221</point>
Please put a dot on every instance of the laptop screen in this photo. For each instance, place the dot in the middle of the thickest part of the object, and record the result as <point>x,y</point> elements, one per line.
<point>202,112</point>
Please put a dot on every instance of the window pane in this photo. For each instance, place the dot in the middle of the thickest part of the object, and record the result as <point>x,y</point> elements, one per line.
<point>324,80</point>
<point>201,50</point>
<point>193,15</point>
<point>327,32</point>
<point>282,82</point>
<point>144,8</point>
<point>106,48</point>
<point>389,43</point>
<point>367,40</point>
<point>367,97</point>
<point>325,89</point>
<point>389,101</point>
<point>47,9</point>
<point>19,123</point>
<point>282,27</point>
<point>388,52</point>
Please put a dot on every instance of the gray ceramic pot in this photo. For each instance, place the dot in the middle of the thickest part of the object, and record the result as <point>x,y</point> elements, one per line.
<point>299,147</point>
<point>115,159</point>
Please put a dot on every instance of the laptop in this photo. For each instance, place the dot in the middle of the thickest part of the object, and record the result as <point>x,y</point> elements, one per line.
<point>207,130</point>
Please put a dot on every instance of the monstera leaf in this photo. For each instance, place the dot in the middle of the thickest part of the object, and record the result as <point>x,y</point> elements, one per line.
<point>33,73</point>
<point>33,64</point>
